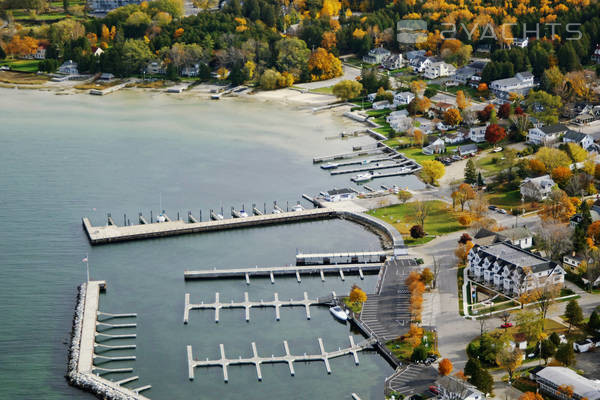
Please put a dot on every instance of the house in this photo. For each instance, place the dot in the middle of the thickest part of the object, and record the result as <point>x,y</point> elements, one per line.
<point>396,115</point>
<point>393,61</point>
<point>521,237</point>
<point>464,74</point>
<point>550,379</point>
<point>484,48</point>
<point>596,55</point>
<point>521,83</point>
<point>98,52</point>
<point>519,342</point>
<point>511,269</point>
<point>40,53</point>
<point>454,138</point>
<point>376,56</point>
<point>190,70</point>
<point>468,150</point>
<point>579,138</point>
<point>522,43</point>
<point>403,98</point>
<point>537,188</point>
<point>441,107</point>
<point>477,133</point>
<point>371,97</point>
<point>436,146</point>
<point>451,388</point>
<point>485,237</point>
<point>419,63</point>
<point>411,55</point>
<point>546,135</point>
<point>339,195</point>
<point>106,77</point>
<point>572,261</point>
<point>155,68</point>
<point>381,105</point>
<point>68,68</point>
<point>439,69</point>
<point>104,6</point>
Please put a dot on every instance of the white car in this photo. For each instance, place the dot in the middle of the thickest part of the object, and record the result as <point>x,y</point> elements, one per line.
<point>497,150</point>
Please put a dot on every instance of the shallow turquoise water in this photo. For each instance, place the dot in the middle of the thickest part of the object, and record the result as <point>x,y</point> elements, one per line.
<point>65,157</point>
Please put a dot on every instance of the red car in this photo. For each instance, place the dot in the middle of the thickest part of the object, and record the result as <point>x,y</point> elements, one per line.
<point>434,389</point>
<point>506,325</point>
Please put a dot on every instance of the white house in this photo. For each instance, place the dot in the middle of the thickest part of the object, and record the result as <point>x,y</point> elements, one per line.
<point>98,52</point>
<point>339,195</point>
<point>40,53</point>
<point>436,146</point>
<point>403,98</point>
<point>393,61</point>
<point>451,388</point>
<point>579,138</point>
<point>468,150</point>
<point>68,68</point>
<point>477,133</point>
<point>546,135</point>
<point>190,70</point>
<point>396,115</point>
<point>381,105</point>
<point>596,55</point>
<point>521,237</point>
<point>439,69</point>
<point>537,188</point>
<point>521,83</point>
<point>376,56</point>
<point>419,63</point>
<point>522,43</point>
<point>550,379</point>
<point>454,138</point>
<point>512,270</point>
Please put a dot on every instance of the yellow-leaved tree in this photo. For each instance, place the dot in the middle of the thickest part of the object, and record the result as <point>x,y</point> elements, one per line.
<point>324,65</point>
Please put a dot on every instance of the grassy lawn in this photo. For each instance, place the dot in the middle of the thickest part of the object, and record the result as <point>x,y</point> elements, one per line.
<point>22,65</point>
<point>441,219</point>
<point>397,140</point>
<point>416,153</point>
<point>416,242</point>
<point>355,307</point>
<point>403,350</point>
<point>510,200</point>
<point>490,164</point>
<point>323,90</point>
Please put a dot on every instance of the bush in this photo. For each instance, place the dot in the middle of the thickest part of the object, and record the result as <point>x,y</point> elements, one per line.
<point>416,232</point>
<point>419,354</point>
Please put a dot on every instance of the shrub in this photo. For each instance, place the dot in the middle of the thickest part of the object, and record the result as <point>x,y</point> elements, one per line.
<point>418,354</point>
<point>416,232</point>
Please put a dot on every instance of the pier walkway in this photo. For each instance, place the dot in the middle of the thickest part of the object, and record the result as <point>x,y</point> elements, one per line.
<point>217,305</point>
<point>288,358</point>
<point>270,272</point>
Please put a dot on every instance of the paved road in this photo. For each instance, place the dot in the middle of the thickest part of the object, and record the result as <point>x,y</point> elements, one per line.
<point>350,73</point>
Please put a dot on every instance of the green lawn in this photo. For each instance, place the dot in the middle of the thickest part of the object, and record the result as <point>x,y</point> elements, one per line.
<point>491,164</point>
<point>404,350</point>
<point>397,140</point>
<point>416,153</point>
<point>355,307</point>
<point>22,65</point>
<point>323,90</point>
<point>509,200</point>
<point>441,219</point>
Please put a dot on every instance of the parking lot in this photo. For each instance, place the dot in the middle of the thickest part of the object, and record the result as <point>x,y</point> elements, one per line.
<point>590,364</point>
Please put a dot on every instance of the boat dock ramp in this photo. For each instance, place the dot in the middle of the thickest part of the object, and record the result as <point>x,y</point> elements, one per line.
<point>287,358</point>
<point>297,271</point>
<point>109,90</point>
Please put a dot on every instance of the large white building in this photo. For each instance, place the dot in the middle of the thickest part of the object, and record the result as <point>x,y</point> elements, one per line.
<point>507,268</point>
<point>537,188</point>
<point>550,379</point>
<point>521,83</point>
<point>546,135</point>
<point>438,70</point>
<point>477,133</point>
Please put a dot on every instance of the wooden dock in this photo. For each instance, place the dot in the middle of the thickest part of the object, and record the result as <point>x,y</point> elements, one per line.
<point>217,305</point>
<point>351,154</point>
<point>351,258</point>
<point>287,358</point>
<point>270,272</point>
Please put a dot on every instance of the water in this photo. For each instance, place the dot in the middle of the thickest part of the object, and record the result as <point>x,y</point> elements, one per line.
<point>65,157</point>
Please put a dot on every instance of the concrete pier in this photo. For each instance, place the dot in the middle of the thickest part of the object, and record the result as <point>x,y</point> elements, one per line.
<point>285,270</point>
<point>247,305</point>
<point>354,258</point>
<point>287,358</point>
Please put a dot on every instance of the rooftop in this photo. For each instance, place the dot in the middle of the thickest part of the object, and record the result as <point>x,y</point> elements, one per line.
<point>564,376</point>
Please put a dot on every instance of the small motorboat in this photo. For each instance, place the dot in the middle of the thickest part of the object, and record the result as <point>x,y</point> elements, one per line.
<point>161,218</point>
<point>339,313</point>
<point>362,177</point>
<point>329,166</point>
<point>220,217</point>
<point>276,211</point>
<point>243,213</point>
<point>298,207</point>
<point>365,162</point>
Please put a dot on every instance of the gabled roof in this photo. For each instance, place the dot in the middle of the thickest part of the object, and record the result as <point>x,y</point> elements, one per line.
<point>553,129</point>
<point>575,136</point>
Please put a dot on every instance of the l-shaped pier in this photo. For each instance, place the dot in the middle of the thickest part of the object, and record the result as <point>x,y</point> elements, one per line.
<point>288,358</point>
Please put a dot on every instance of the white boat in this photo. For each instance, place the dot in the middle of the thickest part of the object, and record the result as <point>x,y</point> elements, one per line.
<point>276,211</point>
<point>297,207</point>
<point>243,214</point>
<point>339,313</point>
<point>329,166</point>
<point>161,218</point>
<point>365,162</point>
<point>362,177</point>
<point>220,217</point>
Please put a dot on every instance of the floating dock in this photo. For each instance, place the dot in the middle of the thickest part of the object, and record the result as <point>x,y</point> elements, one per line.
<point>286,270</point>
<point>288,358</point>
<point>351,154</point>
<point>352,258</point>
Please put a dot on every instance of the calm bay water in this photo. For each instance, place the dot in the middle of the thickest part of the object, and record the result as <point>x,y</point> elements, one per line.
<point>65,157</point>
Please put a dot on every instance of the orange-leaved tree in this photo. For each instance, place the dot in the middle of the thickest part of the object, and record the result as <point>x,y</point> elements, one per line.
<point>445,367</point>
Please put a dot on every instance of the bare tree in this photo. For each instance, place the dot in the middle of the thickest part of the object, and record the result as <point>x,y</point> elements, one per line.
<point>555,239</point>
<point>479,205</point>
<point>421,212</point>
<point>436,271</point>
<point>592,270</point>
<point>505,317</point>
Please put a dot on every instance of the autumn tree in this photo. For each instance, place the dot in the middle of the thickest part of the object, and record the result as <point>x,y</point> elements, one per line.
<point>432,171</point>
<point>462,195</point>
<point>576,152</point>
<point>21,46</point>
<point>552,158</point>
<point>357,295</point>
<point>509,360</point>
<point>452,117</point>
<point>404,196</point>
<point>418,87</point>
<point>323,65</point>
<point>561,175</point>
<point>536,167</point>
<point>445,367</point>
<point>427,276</point>
<point>504,110</point>
<point>531,396</point>
<point>417,231</point>
<point>494,133</point>
<point>462,251</point>
<point>347,89</point>
<point>554,239</point>
<point>557,207</point>
<point>465,220</point>
<point>462,101</point>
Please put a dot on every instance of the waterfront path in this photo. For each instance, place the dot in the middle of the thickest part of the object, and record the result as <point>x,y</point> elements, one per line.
<point>288,358</point>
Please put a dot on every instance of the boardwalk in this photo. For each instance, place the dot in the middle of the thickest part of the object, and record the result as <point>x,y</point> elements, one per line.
<point>287,358</point>
<point>271,272</point>
<point>217,305</point>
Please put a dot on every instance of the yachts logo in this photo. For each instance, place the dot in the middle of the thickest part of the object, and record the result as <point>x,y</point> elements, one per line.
<point>411,31</point>
<point>503,32</point>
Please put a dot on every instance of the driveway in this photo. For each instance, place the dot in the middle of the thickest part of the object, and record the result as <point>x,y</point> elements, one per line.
<point>350,73</point>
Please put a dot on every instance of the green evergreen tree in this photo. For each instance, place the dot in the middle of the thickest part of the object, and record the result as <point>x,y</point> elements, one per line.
<point>573,314</point>
<point>567,58</point>
<point>565,354</point>
<point>66,6</point>
<point>480,181</point>
<point>472,366</point>
<point>548,349</point>
<point>482,380</point>
<point>555,339</point>
<point>419,354</point>
<point>584,210</point>
<point>594,323</point>
<point>172,73</point>
<point>2,53</point>
<point>470,173</point>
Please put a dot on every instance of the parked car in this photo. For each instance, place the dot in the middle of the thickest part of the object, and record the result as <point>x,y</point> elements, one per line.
<point>501,211</point>
<point>506,325</point>
<point>497,150</point>
<point>492,208</point>
<point>583,346</point>
<point>434,389</point>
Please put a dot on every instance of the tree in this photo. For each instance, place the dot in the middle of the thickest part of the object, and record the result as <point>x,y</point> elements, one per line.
<point>432,171</point>
<point>565,354</point>
<point>347,89</point>
<point>22,46</point>
<point>357,295</point>
<point>470,172</point>
<point>269,79</point>
<point>464,238</point>
<point>576,152</point>
<point>472,366</point>
<point>480,181</point>
<point>543,106</point>
<point>531,396</point>
<point>418,354</point>
<point>462,251</point>
<point>494,133</point>
<point>530,324</point>
<point>292,55</point>
<point>420,212</point>
<point>465,220</point>
<point>418,87</point>
<point>427,276</point>
<point>554,239</point>
<point>510,360</point>
<point>136,55</point>
<point>482,380</point>
<point>461,100</point>
<point>445,367</point>
<point>416,232</point>
<point>462,195</point>
<point>173,7</point>
<point>66,6</point>
<point>404,196</point>
<point>504,111</point>
<point>594,322</point>
<point>484,115</point>
<point>552,158</point>
<point>561,175</point>
<point>557,207</point>
<point>573,314</point>
<point>452,117</point>
<point>323,65</point>
<point>505,317</point>
<point>548,349</point>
